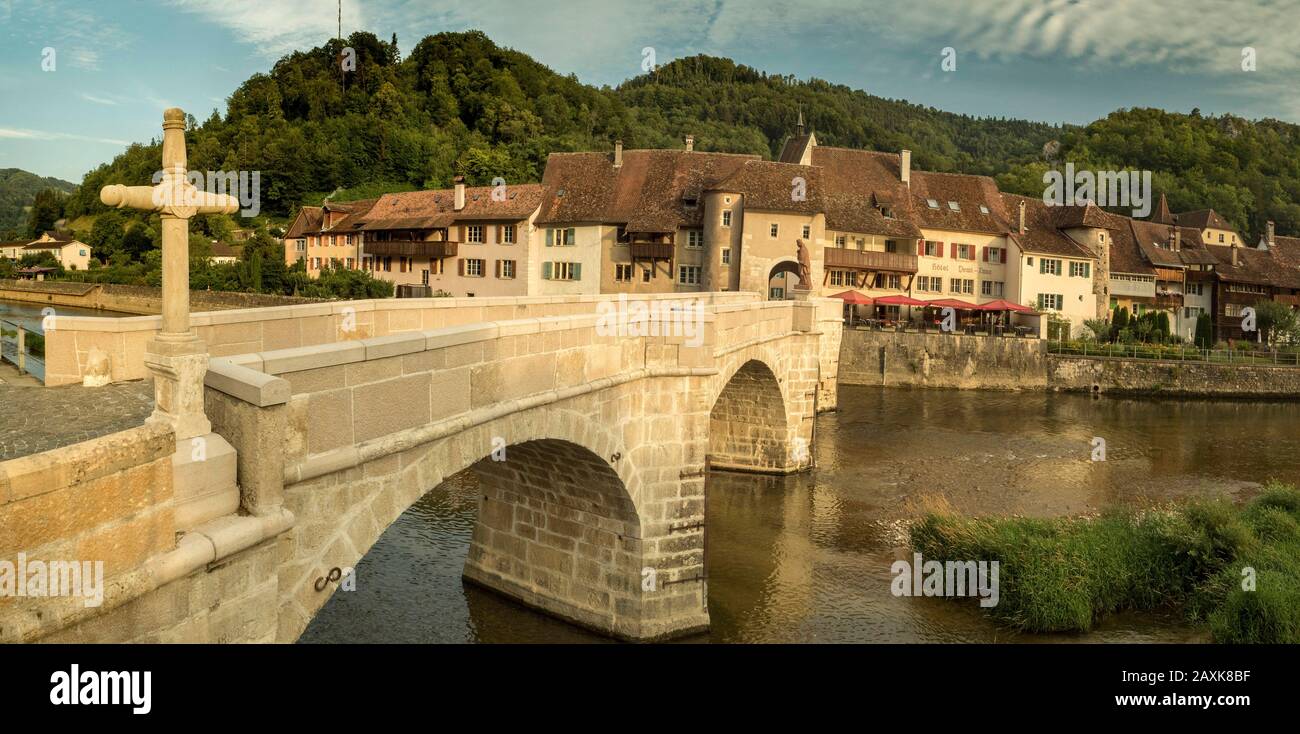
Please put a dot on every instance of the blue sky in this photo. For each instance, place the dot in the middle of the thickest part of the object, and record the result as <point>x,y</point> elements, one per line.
<point>119,63</point>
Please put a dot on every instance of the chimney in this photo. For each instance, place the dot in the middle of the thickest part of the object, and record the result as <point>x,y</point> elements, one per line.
<point>1178,239</point>
<point>1234,257</point>
<point>1020,227</point>
<point>1270,229</point>
<point>905,167</point>
<point>460,192</point>
<point>618,153</point>
<point>690,143</point>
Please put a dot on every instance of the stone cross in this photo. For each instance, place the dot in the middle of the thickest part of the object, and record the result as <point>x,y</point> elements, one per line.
<point>176,356</point>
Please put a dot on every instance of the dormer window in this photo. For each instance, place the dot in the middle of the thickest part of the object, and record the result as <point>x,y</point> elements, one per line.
<point>984,209</point>
<point>934,204</point>
<point>886,212</point>
<point>953,206</point>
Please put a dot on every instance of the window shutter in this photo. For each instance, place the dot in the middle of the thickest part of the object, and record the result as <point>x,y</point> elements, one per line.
<point>461,229</point>
<point>550,238</point>
<point>500,229</point>
<point>546,268</point>
<point>577,271</point>
<point>1004,256</point>
<point>953,251</point>
<point>460,266</point>
<point>498,266</point>
<point>1040,301</point>
<point>986,254</point>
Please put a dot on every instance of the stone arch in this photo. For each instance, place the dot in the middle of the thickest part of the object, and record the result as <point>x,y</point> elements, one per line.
<point>748,425</point>
<point>787,265</point>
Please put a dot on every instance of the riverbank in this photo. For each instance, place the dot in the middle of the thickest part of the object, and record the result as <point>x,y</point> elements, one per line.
<point>878,358</point>
<point>1235,569</point>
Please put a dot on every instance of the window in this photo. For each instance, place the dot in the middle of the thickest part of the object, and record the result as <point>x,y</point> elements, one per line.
<point>646,275</point>
<point>566,237</point>
<point>953,206</point>
<point>561,271</point>
<point>1050,301</point>
<point>1191,312</point>
<point>965,252</point>
<point>890,246</point>
<point>388,263</point>
<point>471,267</point>
<point>923,283</point>
<point>81,253</point>
<point>726,256</point>
<point>994,255</point>
<point>348,239</point>
<point>508,234</point>
<point>726,217</point>
<point>932,249</point>
<point>991,288</point>
<point>963,285</point>
<point>506,269</point>
<point>424,277</point>
<point>807,231</point>
<point>688,274</point>
<point>622,273</point>
<point>1195,289</point>
<point>841,240</point>
<point>837,278</point>
<point>436,267</point>
<point>889,280</point>
<point>1029,261</point>
<point>1221,237</point>
<point>773,229</point>
<point>932,203</point>
<point>777,294</point>
<point>349,263</point>
<point>886,212</point>
<point>1048,266</point>
<point>695,238</point>
<point>302,245</point>
<point>1080,270</point>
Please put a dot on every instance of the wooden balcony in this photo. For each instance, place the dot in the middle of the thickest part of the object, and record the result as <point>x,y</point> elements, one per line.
<point>841,258</point>
<point>1169,300</point>
<point>408,248</point>
<point>1291,300</point>
<point>652,250</point>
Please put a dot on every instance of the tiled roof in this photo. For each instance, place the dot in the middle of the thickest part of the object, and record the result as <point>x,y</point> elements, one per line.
<point>1253,266</point>
<point>859,181</point>
<point>793,150</point>
<point>969,193</point>
<point>307,222</point>
<point>437,208</point>
<point>771,186</point>
<point>653,191</point>
<point>1202,219</point>
<point>1042,234</point>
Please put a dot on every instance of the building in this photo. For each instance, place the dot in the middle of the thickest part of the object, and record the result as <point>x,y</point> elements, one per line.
<point>325,236</point>
<point>71,253</point>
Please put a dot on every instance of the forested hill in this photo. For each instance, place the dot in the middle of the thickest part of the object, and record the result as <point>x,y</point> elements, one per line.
<point>459,104</point>
<point>18,190</point>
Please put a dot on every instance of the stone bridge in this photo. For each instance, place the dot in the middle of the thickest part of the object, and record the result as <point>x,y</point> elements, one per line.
<point>591,431</point>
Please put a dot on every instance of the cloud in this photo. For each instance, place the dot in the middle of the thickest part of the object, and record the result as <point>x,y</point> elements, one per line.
<point>46,135</point>
<point>97,100</point>
<point>276,27</point>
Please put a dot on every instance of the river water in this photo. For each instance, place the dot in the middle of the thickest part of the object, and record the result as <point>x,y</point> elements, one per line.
<point>806,558</point>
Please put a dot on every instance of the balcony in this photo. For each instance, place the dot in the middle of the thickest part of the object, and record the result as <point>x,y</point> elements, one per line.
<point>1291,300</point>
<point>1169,300</point>
<point>408,248</point>
<point>652,250</point>
<point>1135,288</point>
<point>841,258</point>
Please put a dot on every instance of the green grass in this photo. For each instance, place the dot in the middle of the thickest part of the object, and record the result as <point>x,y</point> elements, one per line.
<point>1066,574</point>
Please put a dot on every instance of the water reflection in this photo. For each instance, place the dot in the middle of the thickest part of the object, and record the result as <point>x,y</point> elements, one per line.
<point>807,558</point>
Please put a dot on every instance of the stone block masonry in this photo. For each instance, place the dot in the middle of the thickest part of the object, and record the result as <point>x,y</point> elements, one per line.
<point>1119,376</point>
<point>942,360</point>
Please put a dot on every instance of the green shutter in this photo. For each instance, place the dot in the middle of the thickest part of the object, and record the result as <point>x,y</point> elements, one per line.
<point>577,271</point>
<point>1040,301</point>
<point>570,236</point>
<point>550,239</point>
<point>546,267</point>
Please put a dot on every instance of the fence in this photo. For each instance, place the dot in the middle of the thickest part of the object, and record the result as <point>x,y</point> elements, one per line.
<point>23,344</point>
<point>1176,352</point>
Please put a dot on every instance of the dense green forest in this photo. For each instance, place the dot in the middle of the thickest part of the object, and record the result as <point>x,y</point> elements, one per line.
<point>18,190</point>
<point>459,104</point>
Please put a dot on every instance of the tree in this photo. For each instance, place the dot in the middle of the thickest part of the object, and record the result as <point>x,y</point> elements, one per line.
<point>1120,319</point>
<point>47,209</point>
<point>105,238</point>
<point>1276,322</point>
<point>1204,330</point>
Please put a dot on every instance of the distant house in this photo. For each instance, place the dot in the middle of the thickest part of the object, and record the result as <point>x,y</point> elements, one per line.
<point>68,251</point>
<point>223,252</point>
<point>13,250</point>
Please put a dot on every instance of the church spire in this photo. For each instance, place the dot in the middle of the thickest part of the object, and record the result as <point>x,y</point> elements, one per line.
<point>799,126</point>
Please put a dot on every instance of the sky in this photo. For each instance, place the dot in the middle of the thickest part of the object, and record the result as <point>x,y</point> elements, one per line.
<point>116,64</point>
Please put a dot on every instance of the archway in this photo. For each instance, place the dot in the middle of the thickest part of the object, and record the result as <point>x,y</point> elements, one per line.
<point>747,425</point>
<point>783,277</point>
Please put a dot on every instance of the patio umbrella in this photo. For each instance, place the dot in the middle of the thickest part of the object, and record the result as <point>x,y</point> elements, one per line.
<point>898,301</point>
<point>1004,305</point>
<point>950,303</point>
<point>855,298</point>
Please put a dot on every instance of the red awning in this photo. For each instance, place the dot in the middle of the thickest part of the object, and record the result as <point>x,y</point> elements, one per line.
<point>951,303</point>
<point>1003,305</point>
<point>898,301</point>
<point>854,298</point>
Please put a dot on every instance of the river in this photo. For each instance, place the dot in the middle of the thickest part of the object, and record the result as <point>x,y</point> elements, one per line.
<point>806,558</point>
